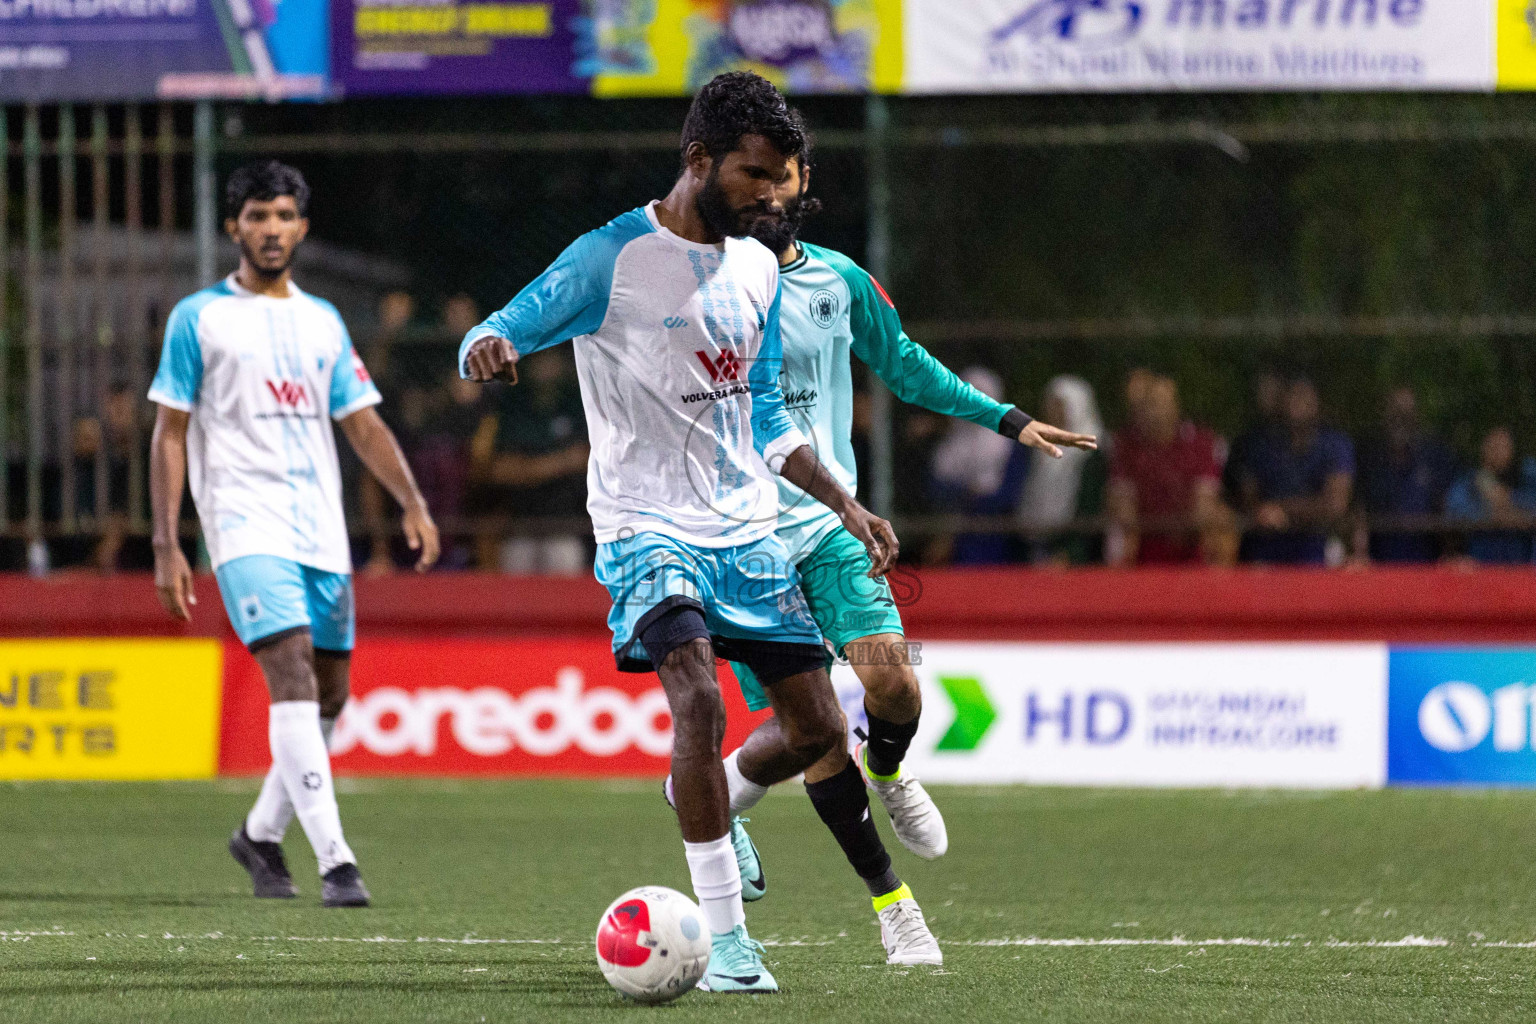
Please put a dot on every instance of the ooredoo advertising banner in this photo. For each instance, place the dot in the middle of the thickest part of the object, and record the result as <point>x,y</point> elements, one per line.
<point>480,707</point>
<point>109,709</point>
<point>1139,45</point>
<point>53,50</point>
<point>1293,715</point>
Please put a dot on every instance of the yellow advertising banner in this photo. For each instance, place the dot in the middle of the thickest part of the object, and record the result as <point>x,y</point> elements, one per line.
<point>672,47</point>
<point>109,709</point>
<point>1517,44</point>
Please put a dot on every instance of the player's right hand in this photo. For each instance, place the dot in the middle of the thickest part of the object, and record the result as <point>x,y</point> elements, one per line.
<point>173,583</point>
<point>877,536</point>
<point>490,359</point>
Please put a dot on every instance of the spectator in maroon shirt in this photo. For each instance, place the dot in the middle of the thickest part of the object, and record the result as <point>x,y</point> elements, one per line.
<point>1165,484</point>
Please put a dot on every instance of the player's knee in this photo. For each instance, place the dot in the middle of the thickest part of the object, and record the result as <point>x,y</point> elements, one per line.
<point>892,685</point>
<point>817,734</point>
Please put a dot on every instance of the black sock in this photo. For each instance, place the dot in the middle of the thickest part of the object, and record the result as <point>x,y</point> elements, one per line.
<point>844,807</point>
<point>888,743</point>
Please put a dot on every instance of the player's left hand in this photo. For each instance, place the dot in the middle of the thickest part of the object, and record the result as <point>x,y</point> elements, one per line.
<point>1047,438</point>
<point>421,535</point>
<point>877,536</point>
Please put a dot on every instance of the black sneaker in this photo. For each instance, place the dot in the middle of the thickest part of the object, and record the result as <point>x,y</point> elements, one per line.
<point>270,879</point>
<point>342,886</point>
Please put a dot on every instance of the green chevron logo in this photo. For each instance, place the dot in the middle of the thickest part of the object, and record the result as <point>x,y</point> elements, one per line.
<point>974,713</point>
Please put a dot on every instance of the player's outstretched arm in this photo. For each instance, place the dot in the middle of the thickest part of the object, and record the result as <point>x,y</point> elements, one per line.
<point>806,472</point>
<point>1051,439</point>
<point>375,444</point>
<point>491,358</point>
<point>167,481</point>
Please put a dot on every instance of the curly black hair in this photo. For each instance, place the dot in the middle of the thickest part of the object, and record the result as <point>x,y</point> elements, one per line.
<point>741,103</point>
<point>264,180</point>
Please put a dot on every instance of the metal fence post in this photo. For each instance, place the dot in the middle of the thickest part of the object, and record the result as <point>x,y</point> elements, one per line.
<point>32,215</point>
<point>5,323</point>
<point>877,258</point>
<point>206,208</point>
<point>65,352</point>
<point>136,335</point>
<point>100,352</point>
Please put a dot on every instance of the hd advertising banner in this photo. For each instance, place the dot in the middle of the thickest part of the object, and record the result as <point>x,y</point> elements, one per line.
<point>1149,45</point>
<point>109,709</point>
<point>68,50</point>
<point>1286,715</point>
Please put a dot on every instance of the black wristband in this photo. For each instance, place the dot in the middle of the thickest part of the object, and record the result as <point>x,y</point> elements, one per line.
<point>1013,423</point>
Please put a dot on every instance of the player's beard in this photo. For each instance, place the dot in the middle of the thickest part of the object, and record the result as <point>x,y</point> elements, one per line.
<point>717,213</point>
<point>779,233</point>
<point>261,268</point>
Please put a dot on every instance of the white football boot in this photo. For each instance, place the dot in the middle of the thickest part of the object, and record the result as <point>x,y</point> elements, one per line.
<point>905,934</point>
<point>914,815</point>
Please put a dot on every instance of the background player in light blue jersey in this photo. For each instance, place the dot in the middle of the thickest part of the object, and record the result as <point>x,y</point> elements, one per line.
<point>252,373</point>
<point>832,309</point>
<point>674,317</point>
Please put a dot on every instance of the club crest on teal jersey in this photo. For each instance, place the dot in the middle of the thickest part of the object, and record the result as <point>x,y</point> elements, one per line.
<point>824,308</point>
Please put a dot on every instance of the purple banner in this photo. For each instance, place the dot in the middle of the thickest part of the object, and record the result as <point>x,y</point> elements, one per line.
<point>383,47</point>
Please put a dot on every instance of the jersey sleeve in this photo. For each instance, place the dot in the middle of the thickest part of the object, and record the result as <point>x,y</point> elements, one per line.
<point>351,387</point>
<point>774,434</point>
<point>180,375</point>
<point>566,301</point>
<point>907,368</point>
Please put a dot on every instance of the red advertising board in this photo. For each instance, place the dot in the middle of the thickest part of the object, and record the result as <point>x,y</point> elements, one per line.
<point>479,707</point>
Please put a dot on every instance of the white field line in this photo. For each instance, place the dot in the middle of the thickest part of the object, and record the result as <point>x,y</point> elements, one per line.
<point>1294,942</point>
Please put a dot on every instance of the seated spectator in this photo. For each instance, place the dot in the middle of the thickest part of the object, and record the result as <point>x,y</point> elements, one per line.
<point>1165,483</point>
<point>976,472</point>
<point>1405,472</point>
<point>1295,483</point>
<point>537,465</point>
<point>1499,496</point>
<point>1268,401</point>
<point>1058,492</point>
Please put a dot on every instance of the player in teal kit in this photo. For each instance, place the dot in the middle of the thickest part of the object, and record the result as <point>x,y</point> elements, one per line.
<point>831,308</point>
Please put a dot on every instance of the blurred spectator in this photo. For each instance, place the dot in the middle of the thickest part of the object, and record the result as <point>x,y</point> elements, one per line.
<point>1165,484</point>
<point>396,311</point>
<point>1295,483</point>
<point>1058,491</point>
<point>1268,400</point>
<point>1404,472</point>
<point>976,471</point>
<point>1499,496</point>
<point>535,463</point>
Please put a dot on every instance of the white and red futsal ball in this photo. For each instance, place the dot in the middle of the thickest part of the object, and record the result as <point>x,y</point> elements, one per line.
<point>652,944</point>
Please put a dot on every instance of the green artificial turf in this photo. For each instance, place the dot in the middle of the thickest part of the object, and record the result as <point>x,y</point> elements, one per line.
<point>119,903</point>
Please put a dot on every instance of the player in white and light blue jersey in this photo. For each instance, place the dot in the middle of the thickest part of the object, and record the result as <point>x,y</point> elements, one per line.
<point>831,310</point>
<point>252,374</point>
<point>674,316</point>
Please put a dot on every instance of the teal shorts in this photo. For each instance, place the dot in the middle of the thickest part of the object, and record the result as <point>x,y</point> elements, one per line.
<point>749,596</point>
<point>846,604</point>
<point>269,597</point>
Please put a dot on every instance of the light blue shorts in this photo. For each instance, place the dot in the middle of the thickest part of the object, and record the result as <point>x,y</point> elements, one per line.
<point>749,595</point>
<point>265,596</point>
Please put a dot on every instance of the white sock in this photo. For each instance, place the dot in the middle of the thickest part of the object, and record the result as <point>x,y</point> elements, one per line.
<point>744,792</point>
<point>716,883</point>
<point>301,761</point>
<point>269,819</point>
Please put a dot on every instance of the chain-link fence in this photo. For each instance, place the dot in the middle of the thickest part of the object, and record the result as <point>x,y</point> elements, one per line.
<point>1370,243</point>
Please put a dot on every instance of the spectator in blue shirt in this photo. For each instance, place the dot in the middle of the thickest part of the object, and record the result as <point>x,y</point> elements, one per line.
<point>1405,472</point>
<point>1499,497</point>
<point>1296,483</point>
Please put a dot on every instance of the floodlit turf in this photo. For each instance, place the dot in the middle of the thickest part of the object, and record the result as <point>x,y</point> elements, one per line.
<point>118,903</point>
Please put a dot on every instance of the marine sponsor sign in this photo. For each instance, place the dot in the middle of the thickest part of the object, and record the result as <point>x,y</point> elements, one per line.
<point>109,709</point>
<point>1139,45</point>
